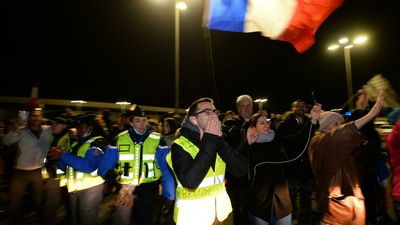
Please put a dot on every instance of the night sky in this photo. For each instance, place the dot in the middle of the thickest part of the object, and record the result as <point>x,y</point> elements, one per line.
<point>114,50</point>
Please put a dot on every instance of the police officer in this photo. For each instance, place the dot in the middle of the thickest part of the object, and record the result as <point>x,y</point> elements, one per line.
<point>61,142</point>
<point>89,157</point>
<point>137,171</point>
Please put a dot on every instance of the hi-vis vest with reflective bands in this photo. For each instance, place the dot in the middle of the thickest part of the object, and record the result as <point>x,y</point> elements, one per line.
<point>209,201</point>
<point>63,143</point>
<point>77,180</point>
<point>137,162</point>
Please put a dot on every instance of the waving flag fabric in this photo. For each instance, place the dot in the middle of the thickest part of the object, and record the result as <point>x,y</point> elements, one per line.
<point>295,21</point>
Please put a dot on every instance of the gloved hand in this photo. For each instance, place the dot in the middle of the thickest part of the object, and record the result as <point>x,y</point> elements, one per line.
<point>125,196</point>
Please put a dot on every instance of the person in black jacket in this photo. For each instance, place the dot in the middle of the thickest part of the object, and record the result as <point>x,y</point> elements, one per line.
<point>237,186</point>
<point>269,200</point>
<point>201,129</point>
<point>299,173</point>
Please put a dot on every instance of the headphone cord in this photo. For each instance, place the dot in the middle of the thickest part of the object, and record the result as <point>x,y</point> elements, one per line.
<point>286,161</point>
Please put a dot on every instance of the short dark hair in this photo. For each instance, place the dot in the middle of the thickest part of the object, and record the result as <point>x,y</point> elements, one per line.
<point>297,101</point>
<point>193,107</point>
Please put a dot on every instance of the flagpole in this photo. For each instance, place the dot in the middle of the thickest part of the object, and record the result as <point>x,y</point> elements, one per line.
<point>177,65</point>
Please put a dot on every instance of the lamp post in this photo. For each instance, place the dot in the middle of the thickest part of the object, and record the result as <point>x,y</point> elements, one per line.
<point>78,104</point>
<point>260,102</point>
<point>344,43</point>
<point>123,105</point>
<point>178,6</point>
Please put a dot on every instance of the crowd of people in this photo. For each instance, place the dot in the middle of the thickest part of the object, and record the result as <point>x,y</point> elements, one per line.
<point>208,168</point>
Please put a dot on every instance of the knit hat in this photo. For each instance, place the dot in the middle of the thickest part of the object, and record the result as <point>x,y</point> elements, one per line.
<point>328,117</point>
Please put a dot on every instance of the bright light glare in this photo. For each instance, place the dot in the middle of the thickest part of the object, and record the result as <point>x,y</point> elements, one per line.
<point>181,5</point>
<point>261,100</point>
<point>123,103</point>
<point>78,101</point>
<point>360,40</point>
<point>333,47</point>
<point>343,40</point>
<point>348,46</point>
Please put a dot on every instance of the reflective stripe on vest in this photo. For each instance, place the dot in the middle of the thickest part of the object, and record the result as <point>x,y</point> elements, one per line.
<point>137,162</point>
<point>77,180</point>
<point>64,144</point>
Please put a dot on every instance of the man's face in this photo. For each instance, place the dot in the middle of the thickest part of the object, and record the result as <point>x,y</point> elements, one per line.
<point>205,111</point>
<point>299,108</point>
<point>82,129</point>
<point>35,118</point>
<point>245,108</point>
<point>140,123</point>
<point>57,128</point>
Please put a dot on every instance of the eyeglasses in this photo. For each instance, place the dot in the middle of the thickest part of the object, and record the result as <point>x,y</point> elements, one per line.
<point>208,112</point>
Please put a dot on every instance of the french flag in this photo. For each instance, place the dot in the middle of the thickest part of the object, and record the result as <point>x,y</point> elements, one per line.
<point>295,21</point>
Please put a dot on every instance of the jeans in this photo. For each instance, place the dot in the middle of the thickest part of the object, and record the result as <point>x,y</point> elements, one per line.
<point>287,220</point>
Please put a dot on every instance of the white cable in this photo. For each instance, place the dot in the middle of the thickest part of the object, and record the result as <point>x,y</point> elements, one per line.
<point>281,162</point>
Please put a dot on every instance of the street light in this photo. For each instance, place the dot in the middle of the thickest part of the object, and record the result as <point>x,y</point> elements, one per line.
<point>179,5</point>
<point>260,102</point>
<point>344,43</point>
<point>78,104</point>
<point>123,105</point>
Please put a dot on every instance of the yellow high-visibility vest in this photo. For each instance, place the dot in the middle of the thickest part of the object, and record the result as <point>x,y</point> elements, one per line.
<point>209,201</point>
<point>77,180</point>
<point>137,162</point>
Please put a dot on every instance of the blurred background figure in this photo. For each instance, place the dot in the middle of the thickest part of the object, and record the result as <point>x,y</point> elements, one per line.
<point>169,127</point>
<point>299,173</point>
<point>393,148</point>
<point>61,142</point>
<point>371,163</point>
<point>32,143</point>
<point>237,186</point>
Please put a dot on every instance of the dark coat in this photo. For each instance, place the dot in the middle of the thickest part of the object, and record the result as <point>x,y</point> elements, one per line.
<point>299,169</point>
<point>268,190</point>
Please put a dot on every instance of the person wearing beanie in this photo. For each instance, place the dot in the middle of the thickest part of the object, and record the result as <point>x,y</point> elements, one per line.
<point>198,158</point>
<point>329,119</point>
<point>337,182</point>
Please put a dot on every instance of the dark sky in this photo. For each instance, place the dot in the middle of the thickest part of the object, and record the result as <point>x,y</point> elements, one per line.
<point>112,50</point>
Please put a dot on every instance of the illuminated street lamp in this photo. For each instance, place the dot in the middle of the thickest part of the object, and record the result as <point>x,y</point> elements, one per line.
<point>179,5</point>
<point>78,104</point>
<point>260,102</point>
<point>344,43</point>
<point>123,105</point>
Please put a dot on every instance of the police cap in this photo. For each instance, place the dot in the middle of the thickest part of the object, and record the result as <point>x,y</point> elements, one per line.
<point>58,119</point>
<point>88,119</point>
<point>137,112</point>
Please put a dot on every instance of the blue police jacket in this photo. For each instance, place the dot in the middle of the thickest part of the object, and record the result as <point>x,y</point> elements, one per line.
<point>167,178</point>
<point>94,159</point>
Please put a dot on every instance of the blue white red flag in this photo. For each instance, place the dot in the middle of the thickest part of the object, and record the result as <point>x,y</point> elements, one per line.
<point>295,21</point>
